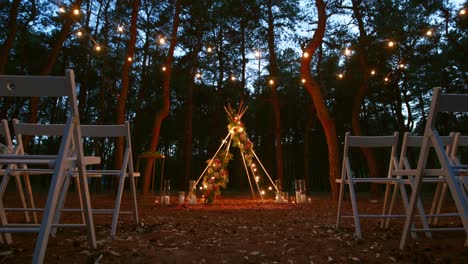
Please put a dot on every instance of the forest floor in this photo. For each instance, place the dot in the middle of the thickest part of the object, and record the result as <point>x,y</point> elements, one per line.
<point>238,229</point>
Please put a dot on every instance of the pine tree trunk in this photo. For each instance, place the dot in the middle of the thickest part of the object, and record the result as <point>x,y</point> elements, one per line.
<point>361,94</point>
<point>164,112</point>
<point>313,88</point>
<point>188,131</point>
<point>274,74</point>
<point>127,65</point>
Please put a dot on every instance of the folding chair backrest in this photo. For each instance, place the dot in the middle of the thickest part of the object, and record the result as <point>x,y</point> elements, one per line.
<point>458,143</point>
<point>410,141</point>
<point>442,102</point>
<point>372,142</point>
<point>28,129</point>
<point>112,131</point>
<point>41,86</point>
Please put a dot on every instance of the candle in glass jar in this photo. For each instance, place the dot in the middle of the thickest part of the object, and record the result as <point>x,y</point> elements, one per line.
<point>167,199</point>
<point>181,197</point>
<point>193,199</point>
<point>298,197</point>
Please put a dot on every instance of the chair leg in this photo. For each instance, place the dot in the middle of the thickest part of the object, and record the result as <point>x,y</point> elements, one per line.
<point>384,222</point>
<point>48,216</point>
<point>27,184</point>
<point>134,199</point>
<point>340,201</point>
<point>355,210</point>
<point>435,202</point>
<point>392,203</point>
<point>443,192</point>
<point>88,211</point>
<point>61,204</point>
<point>118,199</point>
<point>80,199</point>
<point>422,214</point>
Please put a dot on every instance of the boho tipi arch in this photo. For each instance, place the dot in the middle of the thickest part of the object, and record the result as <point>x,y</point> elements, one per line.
<point>215,175</point>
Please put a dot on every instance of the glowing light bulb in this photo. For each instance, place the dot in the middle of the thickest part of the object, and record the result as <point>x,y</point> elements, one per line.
<point>303,80</point>
<point>270,188</point>
<point>198,75</point>
<point>62,9</point>
<point>257,179</point>
<point>201,187</point>
<point>76,11</point>
<point>262,192</point>
<point>79,33</point>
<point>372,72</point>
<point>340,76</point>
<point>271,82</point>
<point>462,12</point>
<point>164,68</point>
<point>429,33</point>
<point>305,55</point>
<point>391,44</point>
<point>233,78</point>
<point>120,28</point>
<point>209,50</point>
<point>257,54</point>
<point>241,129</point>
<point>253,165</point>
<point>347,52</point>
<point>386,79</point>
<point>402,65</point>
<point>97,48</point>
<point>129,59</point>
<point>162,40</point>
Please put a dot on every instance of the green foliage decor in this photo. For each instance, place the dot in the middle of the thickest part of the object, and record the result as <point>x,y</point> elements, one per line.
<point>217,174</point>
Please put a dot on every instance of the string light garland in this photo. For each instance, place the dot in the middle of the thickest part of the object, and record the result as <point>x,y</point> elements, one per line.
<point>209,49</point>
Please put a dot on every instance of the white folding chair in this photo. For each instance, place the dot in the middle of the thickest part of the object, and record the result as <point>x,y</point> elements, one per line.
<point>450,172</point>
<point>432,175</point>
<point>51,86</point>
<point>50,131</point>
<point>125,170</point>
<point>347,177</point>
<point>459,142</point>
<point>5,171</point>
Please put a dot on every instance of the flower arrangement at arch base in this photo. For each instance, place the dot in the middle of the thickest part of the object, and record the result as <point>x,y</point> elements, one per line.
<point>217,174</point>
